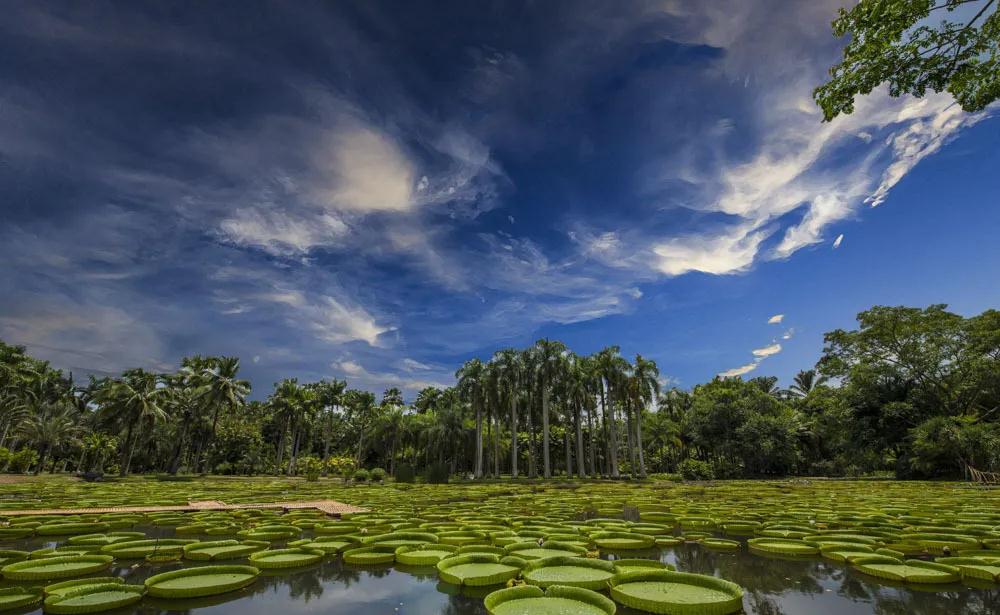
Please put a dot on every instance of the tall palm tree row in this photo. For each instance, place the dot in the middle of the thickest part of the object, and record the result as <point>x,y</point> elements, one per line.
<point>536,411</point>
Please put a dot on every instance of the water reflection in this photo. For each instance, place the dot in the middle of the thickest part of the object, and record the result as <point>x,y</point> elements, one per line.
<point>775,586</point>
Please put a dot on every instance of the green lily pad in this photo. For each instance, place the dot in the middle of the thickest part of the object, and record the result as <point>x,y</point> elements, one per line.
<point>570,571</point>
<point>557,600</point>
<point>139,549</point>
<point>623,541</point>
<point>62,587</point>
<point>424,555</point>
<point>286,558</point>
<point>56,567</point>
<point>782,546</point>
<point>200,581</point>
<point>910,571</point>
<point>638,565</point>
<point>94,599</point>
<point>478,570</point>
<point>973,568</point>
<point>19,597</point>
<point>222,549</point>
<point>676,593</point>
<point>371,555</point>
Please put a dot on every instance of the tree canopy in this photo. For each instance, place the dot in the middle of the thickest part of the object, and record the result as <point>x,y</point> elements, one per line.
<point>914,46</point>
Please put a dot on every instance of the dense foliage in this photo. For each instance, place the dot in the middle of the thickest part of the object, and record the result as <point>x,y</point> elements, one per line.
<point>914,46</point>
<point>912,391</point>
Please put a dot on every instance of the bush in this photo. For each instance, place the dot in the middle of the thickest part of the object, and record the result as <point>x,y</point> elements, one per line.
<point>340,465</point>
<point>437,474</point>
<point>724,469</point>
<point>361,475</point>
<point>22,460</point>
<point>377,475</point>
<point>311,467</point>
<point>694,469</point>
<point>405,473</point>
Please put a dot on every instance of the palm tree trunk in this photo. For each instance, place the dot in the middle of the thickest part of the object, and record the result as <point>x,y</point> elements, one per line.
<point>569,455</point>
<point>581,469</point>
<point>532,444</point>
<point>513,435</point>
<point>43,453</point>
<point>629,440</point>
<point>126,458</point>
<point>281,447</point>
<point>593,441</point>
<point>546,462</point>
<point>131,451</point>
<point>638,442</point>
<point>478,470</point>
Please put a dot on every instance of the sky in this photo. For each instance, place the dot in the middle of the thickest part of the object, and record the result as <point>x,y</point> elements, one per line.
<point>379,191</point>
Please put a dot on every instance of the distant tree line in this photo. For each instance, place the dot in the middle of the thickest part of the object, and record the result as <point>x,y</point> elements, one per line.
<point>911,391</point>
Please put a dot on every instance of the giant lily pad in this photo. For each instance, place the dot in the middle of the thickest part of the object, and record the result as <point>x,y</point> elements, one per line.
<point>56,567</point>
<point>911,570</point>
<point>19,597</point>
<point>94,599</point>
<point>286,558</point>
<point>139,549</point>
<point>200,581</point>
<point>62,587</point>
<point>973,568</point>
<point>557,600</point>
<point>424,555</point>
<point>222,549</point>
<point>478,569</point>
<point>676,593</point>
<point>569,571</point>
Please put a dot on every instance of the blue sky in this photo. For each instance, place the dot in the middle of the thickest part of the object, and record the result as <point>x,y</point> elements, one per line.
<point>379,191</point>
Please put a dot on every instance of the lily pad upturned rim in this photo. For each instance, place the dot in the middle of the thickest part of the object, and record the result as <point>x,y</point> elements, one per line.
<point>597,602</point>
<point>118,595</point>
<point>569,562</point>
<point>54,589</point>
<point>29,596</point>
<point>249,574</point>
<point>936,573</point>
<point>409,555</point>
<point>87,564</point>
<point>511,569</point>
<point>294,557</point>
<point>732,604</point>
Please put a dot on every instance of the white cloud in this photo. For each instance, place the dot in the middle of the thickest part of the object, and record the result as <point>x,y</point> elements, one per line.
<point>837,241</point>
<point>739,371</point>
<point>331,319</point>
<point>412,365</point>
<point>731,251</point>
<point>370,172</point>
<point>767,351</point>
<point>776,319</point>
<point>281,233</point>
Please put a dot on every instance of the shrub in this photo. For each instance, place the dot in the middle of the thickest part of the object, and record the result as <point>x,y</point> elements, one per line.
<point>437,474</point>
<point>377,475</point>
<point>22,460</point>
<point>724,469</point>
<point>694,469</point>
<point>405,473</point>
<point>312,467</point>
<point>361,475</point>
<point>340,465</point>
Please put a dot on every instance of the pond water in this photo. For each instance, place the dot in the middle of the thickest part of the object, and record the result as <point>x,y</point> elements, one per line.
<point>773,586</point>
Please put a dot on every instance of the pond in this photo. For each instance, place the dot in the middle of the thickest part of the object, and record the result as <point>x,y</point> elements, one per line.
<point>774,586</point>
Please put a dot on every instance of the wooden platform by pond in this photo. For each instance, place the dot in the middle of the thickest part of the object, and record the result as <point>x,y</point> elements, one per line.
<point>332,508</point>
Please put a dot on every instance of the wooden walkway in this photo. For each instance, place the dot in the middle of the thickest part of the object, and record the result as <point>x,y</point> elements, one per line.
<point>332,508</point>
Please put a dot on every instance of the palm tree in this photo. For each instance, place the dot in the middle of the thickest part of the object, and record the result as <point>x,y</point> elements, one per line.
<point>805,381</point>
<point>577,393</point>
<point>510,371</point>
<point>471,387</point>
<point>135,400</point>
<point>50,426</point>
<point>286,404</point>
<point>645,387</point>
<point>221,390</point>
<point>550,356</point>
<point>611,368</point>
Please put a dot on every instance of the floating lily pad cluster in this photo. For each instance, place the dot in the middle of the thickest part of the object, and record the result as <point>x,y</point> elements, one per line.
<point>567,548</point>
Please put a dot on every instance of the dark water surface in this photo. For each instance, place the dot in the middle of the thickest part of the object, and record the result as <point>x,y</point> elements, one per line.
<point>774,586</point>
